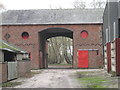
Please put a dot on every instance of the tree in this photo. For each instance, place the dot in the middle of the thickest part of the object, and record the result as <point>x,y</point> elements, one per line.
<point>60,50</point>
<point>1,6</point>
<point>79,4</point>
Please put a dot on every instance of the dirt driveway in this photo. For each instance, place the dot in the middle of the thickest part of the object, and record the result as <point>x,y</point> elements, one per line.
<point>51,78</point>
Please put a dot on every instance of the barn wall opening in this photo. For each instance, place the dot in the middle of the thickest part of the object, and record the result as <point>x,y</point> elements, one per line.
<point>45,37</point>
<point>60,52</point>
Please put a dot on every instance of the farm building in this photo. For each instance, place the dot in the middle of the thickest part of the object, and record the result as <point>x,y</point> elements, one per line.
<point>11,62</point>
<point>30,29</point>
<point>111,36</point>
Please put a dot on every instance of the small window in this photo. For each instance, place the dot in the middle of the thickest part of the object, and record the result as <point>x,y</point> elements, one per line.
<point>114,29</point>
<point>97,52</point>
<point>25,35</point>
<point>107,38</point>
<point>84,34</point>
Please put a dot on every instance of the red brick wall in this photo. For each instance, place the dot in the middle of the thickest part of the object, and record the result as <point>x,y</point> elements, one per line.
<point>108,57</point>
<point>32,43</point>
<point>3,72</point>
<point>118,56</point>
<point>95,59</point>
<point>23,67</point>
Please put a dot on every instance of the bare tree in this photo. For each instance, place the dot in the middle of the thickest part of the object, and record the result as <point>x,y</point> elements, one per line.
<point>1,6</point>
<point>79,4</point>
<point>59,50</point>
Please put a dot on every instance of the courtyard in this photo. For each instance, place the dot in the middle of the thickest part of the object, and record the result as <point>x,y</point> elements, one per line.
<point>66,78</point>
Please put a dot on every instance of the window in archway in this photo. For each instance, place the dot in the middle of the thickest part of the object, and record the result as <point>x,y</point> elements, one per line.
<point>25,35</point>
<point>84,34</point>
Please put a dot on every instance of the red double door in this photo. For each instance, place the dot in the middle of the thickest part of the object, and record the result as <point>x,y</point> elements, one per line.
<point>82,59</point>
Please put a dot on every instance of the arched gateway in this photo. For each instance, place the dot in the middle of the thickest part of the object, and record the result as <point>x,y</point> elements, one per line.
<point>29,29</point>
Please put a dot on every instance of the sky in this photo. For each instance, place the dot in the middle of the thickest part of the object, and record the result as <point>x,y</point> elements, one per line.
<point>38,4</point>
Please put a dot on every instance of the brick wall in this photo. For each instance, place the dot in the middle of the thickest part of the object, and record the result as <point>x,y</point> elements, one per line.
<point>118,56</point>
<point>95,60</point>
<point>108,57</point>
<point>32,43</point>
<point>3,72</point>
<point>23,67</point>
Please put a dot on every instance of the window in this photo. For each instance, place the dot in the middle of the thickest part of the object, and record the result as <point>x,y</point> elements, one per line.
<point>109,39</point>
<point>25,35</point>
<point>114,29</point>
<point>107,35</point>
<point>84,34</point>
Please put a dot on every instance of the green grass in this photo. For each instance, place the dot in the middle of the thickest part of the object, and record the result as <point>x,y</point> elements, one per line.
<point>95,86</point>
<point>93,82</point>
<point>92,79</point>
<point>10,84</point>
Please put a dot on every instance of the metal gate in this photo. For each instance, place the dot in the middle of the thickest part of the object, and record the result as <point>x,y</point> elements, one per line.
<point>12,70</point>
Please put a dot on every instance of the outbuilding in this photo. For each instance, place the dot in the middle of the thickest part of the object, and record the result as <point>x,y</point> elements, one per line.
<point>111,36</point>
<point>11,62</point>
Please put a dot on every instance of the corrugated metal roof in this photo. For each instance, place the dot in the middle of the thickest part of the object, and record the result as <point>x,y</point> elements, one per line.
<point>52,16</point>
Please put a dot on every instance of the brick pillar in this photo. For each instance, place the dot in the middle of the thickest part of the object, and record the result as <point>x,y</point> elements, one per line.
<point>108,57</point>
<point>118,56</point>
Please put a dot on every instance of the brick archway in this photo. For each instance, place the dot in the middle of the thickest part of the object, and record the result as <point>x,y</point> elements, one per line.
<point>49,33</point>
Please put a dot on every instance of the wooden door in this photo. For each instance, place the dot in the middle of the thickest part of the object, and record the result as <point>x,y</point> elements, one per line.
<point>82,59</point>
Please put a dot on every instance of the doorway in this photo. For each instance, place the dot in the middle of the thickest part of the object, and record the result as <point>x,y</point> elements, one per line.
<point>82,58</point>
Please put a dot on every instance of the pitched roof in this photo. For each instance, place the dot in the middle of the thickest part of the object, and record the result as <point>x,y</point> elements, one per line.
<point>52,16</point>
<point>10,47</point>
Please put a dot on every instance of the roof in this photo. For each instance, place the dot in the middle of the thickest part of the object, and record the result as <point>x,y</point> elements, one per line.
<point>9,47</point>
<point>52,16</point>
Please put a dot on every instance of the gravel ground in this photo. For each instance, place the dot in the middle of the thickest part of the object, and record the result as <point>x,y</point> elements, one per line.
<point>57,78</point>
<point>51,78</point>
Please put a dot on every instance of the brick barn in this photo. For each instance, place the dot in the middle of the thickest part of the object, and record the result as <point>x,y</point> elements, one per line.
<point>111,36</point>
<point>30,29</point>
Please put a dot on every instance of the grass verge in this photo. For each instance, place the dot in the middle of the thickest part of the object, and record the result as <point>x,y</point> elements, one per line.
<point>90,80</point>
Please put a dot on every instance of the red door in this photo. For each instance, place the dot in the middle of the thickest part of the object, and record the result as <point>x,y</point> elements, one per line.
<point>82,59</point>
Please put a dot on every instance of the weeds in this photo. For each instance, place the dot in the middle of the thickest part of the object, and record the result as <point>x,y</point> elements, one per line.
<point>10,84</point>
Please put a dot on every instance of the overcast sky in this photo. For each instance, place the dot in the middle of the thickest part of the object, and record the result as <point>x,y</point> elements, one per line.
<point>38,4</point>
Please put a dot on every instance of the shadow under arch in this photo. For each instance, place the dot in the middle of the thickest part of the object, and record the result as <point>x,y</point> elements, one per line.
<point>46,34</point>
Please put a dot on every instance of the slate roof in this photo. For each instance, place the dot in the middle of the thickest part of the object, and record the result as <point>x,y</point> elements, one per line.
<point>52,16</point>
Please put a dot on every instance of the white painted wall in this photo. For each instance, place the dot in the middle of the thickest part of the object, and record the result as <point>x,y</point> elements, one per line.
<point>113,57</point>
